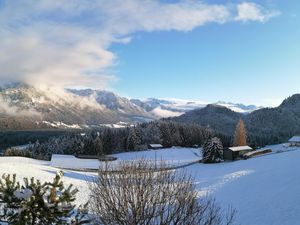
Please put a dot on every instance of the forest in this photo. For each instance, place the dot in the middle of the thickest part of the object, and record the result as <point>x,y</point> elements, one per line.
<point>104,141</point>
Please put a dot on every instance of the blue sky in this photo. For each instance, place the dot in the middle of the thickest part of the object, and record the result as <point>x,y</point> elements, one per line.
<point>250,62</point>
<point>231,50</point>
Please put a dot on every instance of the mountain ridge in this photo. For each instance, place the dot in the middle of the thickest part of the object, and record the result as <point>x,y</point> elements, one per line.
<point>27,107</point>
<point>266,125</point>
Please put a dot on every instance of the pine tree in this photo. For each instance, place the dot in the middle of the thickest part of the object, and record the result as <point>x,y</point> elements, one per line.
<point>133,141</point>
<point>98,146</point>
<point>240,136</point>
<point>212,151</point>
<point>166,134</point>
<point>107,138</point>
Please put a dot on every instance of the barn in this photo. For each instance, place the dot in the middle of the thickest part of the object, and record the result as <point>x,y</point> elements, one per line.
<point>234,153</point>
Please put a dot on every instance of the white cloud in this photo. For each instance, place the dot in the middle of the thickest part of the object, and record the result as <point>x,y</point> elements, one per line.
<point>66,43</point>
<point>164,113</point>
<point>248,11</point>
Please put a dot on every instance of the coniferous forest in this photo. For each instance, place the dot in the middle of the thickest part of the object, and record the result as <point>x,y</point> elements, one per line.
<point>105,141</point>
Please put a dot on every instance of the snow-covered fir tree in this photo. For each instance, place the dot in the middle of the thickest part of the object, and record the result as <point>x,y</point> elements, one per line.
<point>212,151</point>
<point>133,140</point>
<point>35,203</point>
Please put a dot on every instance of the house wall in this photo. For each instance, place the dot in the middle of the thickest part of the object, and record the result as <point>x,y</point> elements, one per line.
<point>227,154</point>
<point>230,155</point>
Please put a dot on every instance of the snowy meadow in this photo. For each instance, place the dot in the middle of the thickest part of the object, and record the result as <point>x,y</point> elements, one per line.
<point>263,190</point>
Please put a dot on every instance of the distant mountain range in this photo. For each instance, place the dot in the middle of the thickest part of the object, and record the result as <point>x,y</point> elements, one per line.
<point>26,107</point>
<point>176,107</point>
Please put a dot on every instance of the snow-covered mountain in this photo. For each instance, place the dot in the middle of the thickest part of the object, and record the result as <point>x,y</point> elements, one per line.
<point>177,107</point>
<point>111,101</point>
<point>26,107</point>
<point>238,107</point>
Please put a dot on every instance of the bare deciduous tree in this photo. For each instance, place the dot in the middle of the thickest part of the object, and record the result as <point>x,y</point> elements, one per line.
<point>139,195</point>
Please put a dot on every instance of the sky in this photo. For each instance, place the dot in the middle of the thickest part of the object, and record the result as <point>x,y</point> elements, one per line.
<point>238,51</point>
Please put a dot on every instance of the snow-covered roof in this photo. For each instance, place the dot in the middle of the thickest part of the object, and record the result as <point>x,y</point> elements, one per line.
<point>240,148</point>
<point>155,145</point>
<point>295,139</point>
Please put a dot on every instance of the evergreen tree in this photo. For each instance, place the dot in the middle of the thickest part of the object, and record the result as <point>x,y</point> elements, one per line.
<point>240,136</point>
<point>166,134</point>
<point>212,151</point>
<point>36,203</point>
<point>97,146</point>
<point>107,138</point>
<point>133,141</point>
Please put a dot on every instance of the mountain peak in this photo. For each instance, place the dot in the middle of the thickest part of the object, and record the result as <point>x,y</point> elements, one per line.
<point>291,101</point>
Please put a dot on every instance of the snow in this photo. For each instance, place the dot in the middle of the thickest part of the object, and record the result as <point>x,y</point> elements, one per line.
<point>171,156</point>
<point>175,156</point>
<point>156,146</point>
<point>257,153</point>
<point>240,148</point>
<point>20,147</point>
<point>233,108</point>
<point>58,124</point>
<point>117,125</point>
<point>71,162</point>
<point>24,167</point>
<point>264,190</point>
<point>170,107</point>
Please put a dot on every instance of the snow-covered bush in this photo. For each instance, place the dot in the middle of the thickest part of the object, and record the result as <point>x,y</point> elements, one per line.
<point>39,203</point>
<point>212,151</point>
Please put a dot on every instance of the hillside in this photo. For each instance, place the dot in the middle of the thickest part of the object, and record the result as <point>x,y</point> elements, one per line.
<point>214,116</point>
<point>112,102</point>
<point>264,190</point>
<point>265,126</point>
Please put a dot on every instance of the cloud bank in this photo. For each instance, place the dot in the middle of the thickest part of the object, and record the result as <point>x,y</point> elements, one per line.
<point>66,43</point>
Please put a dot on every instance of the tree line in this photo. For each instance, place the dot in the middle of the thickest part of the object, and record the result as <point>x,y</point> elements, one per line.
<point>105,141</point>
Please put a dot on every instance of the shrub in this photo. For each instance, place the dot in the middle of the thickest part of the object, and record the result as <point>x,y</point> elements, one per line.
<point>17,152</point>
<point>140,195</point>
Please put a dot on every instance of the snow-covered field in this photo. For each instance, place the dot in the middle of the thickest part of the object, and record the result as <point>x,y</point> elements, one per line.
<point>42,170</point>
<point>175,156</point>
<point>265,190</point>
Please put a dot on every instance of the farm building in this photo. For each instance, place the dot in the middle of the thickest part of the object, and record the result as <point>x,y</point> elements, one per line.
<point>295,141</point>
<point>234,153</point>
<point>155,146</point>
